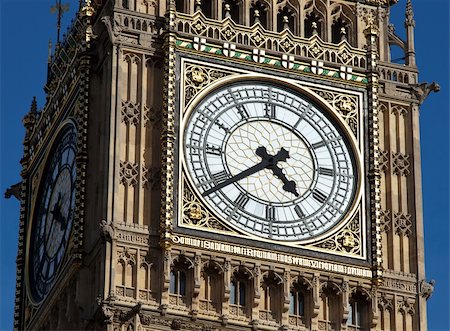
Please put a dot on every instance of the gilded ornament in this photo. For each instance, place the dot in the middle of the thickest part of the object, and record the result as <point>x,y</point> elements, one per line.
<point>198,76</point>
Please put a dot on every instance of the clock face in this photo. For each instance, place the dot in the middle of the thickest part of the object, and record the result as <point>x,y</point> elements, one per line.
<point>269,161</point>
<point>53,215</point>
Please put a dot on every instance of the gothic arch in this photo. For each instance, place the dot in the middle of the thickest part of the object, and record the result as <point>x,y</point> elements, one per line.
<point>315,11</point>
<point>291,9</point>
<point>342,16</point>
<point>265,13</point>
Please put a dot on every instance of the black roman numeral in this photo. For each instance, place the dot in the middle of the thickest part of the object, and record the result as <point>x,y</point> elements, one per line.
<point>219,177</point>
<point>299,211</point>
<point>242,111</point>
<point>270,110</point>
<point>222,126</point>
<point>214,150</point>
<point>241,200</point>
<point>326,171</point>
<point>270,213</point>
<point>319,196</point>
<point>319,144</point>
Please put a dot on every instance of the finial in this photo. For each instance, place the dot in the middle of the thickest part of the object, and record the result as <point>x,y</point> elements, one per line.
<point>343,34</point>
<point>285,22</point>
<point>30,118</point>
<point>60,8</point>
<point>227,10</point>
<point>409,15</point>
<point>198,5</point>
<point>256,16</point>
<point>49,59</point>
<point>33,108</point>
<point>314,28</point>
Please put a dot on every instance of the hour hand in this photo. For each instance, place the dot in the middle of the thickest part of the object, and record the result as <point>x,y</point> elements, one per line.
<point>288,185</point>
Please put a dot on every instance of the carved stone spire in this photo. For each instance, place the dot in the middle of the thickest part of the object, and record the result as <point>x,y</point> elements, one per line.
<point>409,15</point>
<point>409,25</point>
<point>30,118</point>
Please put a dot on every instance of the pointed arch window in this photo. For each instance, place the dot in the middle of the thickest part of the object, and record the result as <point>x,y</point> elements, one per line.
<point>300,303</point>
<point>258,14</point>
<point>211,293</point>
<point>313,25</point>
<point>296,303</point>
<point>331,306</point>
<point>181,281</point>
<point>181,6</point>
<point>339,30</point>
<point>286,20</point>
<point>178,282</point>
<point>240,290</point>
<point>271,299</point>
<point>232,9</point>
<point>358,310</point>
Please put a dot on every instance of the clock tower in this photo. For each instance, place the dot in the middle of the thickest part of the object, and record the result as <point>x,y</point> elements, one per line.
<point>225,165</point>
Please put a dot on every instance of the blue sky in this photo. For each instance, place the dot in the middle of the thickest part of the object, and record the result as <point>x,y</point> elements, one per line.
<point>26,26</point>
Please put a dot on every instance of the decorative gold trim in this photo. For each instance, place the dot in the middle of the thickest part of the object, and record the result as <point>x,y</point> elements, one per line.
<point>317,99</point>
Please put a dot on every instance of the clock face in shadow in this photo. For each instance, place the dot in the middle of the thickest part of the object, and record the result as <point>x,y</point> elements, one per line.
<point>53,217</point>
<point>269,161</point>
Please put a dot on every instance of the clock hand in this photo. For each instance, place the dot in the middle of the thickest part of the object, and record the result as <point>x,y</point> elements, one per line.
<point>282,155</point>
<point>288,185</point>
<point>266,162</point>
<point>250,171</point>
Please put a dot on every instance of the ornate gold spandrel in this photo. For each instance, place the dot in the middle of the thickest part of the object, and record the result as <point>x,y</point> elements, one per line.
<point>198,77</point>
<point>346,105</point>
<point>195,214</point>
<point>347,241</point>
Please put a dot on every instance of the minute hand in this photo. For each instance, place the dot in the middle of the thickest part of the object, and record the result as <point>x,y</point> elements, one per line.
<point>250,171</point>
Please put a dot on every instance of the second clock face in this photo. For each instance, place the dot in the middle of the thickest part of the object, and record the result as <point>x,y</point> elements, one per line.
<point>270,162</point>
<point>54,215</point>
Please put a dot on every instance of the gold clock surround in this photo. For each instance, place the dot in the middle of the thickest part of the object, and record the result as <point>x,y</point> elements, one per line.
<point>356,204</point>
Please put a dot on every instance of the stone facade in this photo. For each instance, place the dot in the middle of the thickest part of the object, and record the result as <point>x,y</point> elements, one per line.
<point>145,253</point>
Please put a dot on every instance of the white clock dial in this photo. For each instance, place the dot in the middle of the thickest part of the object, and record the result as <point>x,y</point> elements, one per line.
<point>269,161</point>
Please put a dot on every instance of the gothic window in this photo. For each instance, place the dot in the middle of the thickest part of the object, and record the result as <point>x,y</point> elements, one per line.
<point>181,277</point>
<point>205,6</point>
<point>240,289</point>
<point>126,271</point>
<point>178,282</point>
<point>339,31</point>
<point>313,25</point>
<point>232,9</point>
<point>238,293</point>
<point>300,303</point>
<point>330,317</point>
<point>211,287</point>
<point>125,4</point>
<point>181,6</point>
<point>296,303</point>
<point>314,19</point>
<point>342,28</point>
<point>258,14</point>
<point>286,20</point>
<point>147,279</point>
<point>358,311</point>
<point>272,289</point>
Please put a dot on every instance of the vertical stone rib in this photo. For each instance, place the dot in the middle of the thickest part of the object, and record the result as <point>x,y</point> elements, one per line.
<point>371,34</point>
<point>168,136</point>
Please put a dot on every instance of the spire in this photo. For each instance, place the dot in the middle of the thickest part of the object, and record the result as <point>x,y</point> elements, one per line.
<point>30,118</point>
<point>409,25</point>
<point>409,15</point>
<point>33,108</point>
